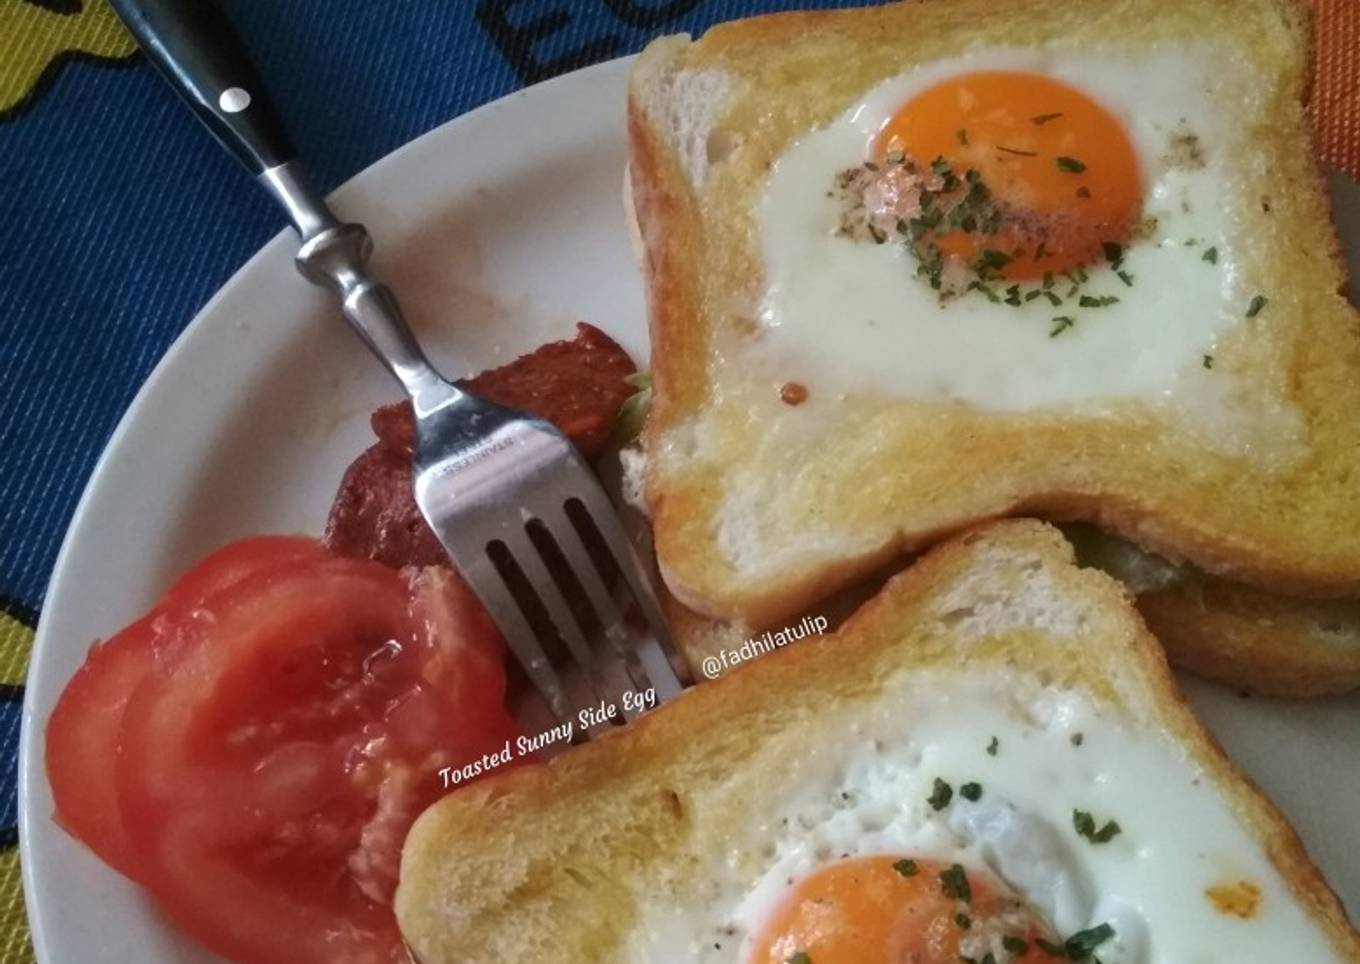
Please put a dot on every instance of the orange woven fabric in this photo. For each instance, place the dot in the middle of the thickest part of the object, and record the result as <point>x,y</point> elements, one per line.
<point>1335,103</point>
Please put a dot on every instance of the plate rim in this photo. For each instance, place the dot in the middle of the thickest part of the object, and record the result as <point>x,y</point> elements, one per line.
<point>31,751</point>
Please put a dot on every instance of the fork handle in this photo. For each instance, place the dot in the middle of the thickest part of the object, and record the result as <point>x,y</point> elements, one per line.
<point>194,47</point>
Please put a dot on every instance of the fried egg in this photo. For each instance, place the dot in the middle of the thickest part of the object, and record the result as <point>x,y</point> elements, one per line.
<point>1011,229</point>
<point>985,816</point>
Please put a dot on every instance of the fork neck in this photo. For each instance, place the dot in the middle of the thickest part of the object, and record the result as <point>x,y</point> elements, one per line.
<point>287,184</point>
<point>335,255</point>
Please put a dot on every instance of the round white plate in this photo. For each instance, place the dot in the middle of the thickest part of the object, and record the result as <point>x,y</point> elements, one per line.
<point>499,230</point>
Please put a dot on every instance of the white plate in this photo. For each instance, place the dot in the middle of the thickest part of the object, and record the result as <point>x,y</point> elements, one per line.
<point>499,230</point>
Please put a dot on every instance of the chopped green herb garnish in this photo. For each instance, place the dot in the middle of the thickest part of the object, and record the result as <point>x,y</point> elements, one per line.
<point>1013,295</point>
<point>990,260</point>
<point>802,957</point>
<point>1060,325</point>
<point>992,296</point>
<point>1256,305</point>
<point>962,135</point>
<point>1208,361</point>
<point>1097,301</point>
<point>1071,291</point>
<point>1114,253</point>
<point>963,920</point>
<point>1080,945</point>
<point>1053,299</point>
<point>1031,295</point>
<point>940,166</point>
<point>954,883</point>
<point>1015,945</point>
<point>1048,280</point>
<point>940,795</point>
<point>1041,251</point>
<point>906,867</point>
<point>1085,825</point>
<point>1045,118</point>
<point>993,746</point>
<point>1125,277</point>
<point>931,266</point>
<point>1071,165</point>
<point>1017,153</point>
<point>1210,255</point>
<point>971,791</point>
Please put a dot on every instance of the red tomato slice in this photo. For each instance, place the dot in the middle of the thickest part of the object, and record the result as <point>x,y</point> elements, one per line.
<point>83,731</point>
<point>273,761</point>
<point>82,741</point>
<point>232,563</point>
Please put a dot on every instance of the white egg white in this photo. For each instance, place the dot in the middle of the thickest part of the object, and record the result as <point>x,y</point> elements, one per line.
<point>861,786</point>
<point>842,315</point>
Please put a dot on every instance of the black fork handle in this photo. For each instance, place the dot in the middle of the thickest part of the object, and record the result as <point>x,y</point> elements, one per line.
<point>196,49</point>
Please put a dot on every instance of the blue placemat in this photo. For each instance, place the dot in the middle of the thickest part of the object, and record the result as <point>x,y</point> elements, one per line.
<point>119,218</point>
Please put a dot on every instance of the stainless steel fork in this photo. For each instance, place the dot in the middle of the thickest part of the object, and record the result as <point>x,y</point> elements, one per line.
<point>521,514</point>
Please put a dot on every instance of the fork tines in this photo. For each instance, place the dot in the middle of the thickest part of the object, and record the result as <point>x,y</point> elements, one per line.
<point>560,574</point>
<point>548,555</point>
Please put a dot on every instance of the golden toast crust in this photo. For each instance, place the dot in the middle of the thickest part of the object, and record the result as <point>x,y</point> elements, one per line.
<point>544,863</point>
<point>1287,529</point>
<point>1258,642</point>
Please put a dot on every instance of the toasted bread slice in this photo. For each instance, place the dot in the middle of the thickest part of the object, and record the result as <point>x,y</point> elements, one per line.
<point>590,856</point>
<point>761,508</point>
<point>714,647</point>
<point>1256,641</point>
<point>1250,639</point>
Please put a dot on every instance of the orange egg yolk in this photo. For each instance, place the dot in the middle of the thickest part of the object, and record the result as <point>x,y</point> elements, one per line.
<point>1058,164</point>
<point>871,910</point>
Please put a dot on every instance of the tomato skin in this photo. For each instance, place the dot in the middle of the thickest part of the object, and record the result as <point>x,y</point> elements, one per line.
<point>233,562</point>
<point>254,749</point>
<point>82,743</point>
<point>83,732</point>
<point>273,760</point>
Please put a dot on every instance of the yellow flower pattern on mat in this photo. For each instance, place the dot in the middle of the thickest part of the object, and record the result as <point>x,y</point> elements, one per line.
<point>35,38</point>
<point>16,646</point>
<point>15,945</point>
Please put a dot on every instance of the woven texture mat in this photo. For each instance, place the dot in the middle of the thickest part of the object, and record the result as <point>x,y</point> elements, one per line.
<point>119,217</point>
<point>1336,84</point>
